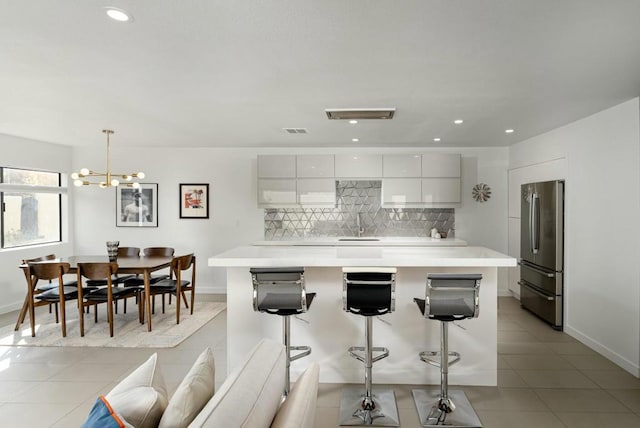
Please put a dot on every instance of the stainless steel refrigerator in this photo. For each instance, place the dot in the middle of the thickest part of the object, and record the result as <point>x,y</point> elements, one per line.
<point>542,250</point>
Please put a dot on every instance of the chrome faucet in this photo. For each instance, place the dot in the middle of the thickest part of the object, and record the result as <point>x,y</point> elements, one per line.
<point>359,224</point>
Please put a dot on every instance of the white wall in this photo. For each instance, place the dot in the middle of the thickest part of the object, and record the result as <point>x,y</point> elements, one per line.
<point>599,156</point>
<point>22,153</point>
<point>234,218</point>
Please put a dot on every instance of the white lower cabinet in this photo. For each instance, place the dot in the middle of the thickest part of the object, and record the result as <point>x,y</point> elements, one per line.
<point>276,192</point>
<point>401,191</point>
<point>317,192</point>
<point>440,190</point>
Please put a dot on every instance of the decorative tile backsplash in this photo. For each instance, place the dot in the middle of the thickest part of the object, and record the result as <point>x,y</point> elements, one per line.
<point>355,197</point>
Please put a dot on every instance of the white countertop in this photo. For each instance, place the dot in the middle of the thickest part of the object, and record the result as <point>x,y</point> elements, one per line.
<point>382,256</point>
<point>352,241</point>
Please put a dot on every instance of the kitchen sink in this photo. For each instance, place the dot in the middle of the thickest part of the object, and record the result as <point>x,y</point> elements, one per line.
<point>358,239</point>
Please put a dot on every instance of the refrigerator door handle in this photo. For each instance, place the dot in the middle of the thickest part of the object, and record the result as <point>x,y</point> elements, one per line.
<point>535,269</point>
<point>534,226</point>
<point>525,284</point>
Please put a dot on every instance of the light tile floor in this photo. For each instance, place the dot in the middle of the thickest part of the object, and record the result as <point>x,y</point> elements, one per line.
<point>545,379</point>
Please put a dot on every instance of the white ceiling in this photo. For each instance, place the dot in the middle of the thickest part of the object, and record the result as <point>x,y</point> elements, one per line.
<point>234,73</point>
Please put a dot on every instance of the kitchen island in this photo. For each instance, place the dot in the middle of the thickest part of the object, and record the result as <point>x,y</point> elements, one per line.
<point>330,331</point>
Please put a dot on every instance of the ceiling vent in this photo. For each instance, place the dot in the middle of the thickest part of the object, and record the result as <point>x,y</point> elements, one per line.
<point>360,113</point>
<point>295,130</point>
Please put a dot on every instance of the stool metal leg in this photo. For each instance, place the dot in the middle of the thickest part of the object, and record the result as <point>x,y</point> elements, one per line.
<point>377,409</point>
<point>444,411</point>
<point>286,335</point>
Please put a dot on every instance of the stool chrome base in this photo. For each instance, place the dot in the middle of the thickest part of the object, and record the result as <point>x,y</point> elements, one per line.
<point>385,412</point>
<point>430,415</point>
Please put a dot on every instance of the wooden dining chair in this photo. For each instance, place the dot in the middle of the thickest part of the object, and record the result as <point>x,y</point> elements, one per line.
<point>37,287</point>
<point>128,252</point>
<point>138,281</point>
<point>61,294</point>
<point>152,252</point>
<point>109,294</point>
<point>178,286</point>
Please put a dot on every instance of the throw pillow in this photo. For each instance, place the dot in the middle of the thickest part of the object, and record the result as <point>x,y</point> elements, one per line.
<point>103,416</point>
<point>142,396</point>
<point>195,390</point>
<point>299,409</point>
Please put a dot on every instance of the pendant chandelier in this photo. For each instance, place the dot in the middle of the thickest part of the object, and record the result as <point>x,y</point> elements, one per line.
<point>111,179</point>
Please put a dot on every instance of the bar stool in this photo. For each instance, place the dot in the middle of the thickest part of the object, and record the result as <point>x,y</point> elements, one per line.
<point>368,292</point>
<point>449,297</point>
<point>281,291</point>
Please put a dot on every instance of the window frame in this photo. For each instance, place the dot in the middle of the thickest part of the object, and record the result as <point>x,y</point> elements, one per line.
<point>58,189</point>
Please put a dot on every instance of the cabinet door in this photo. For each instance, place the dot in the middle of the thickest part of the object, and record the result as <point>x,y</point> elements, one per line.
<point>314,166</point>
<point>317,192</point>
<point>440,190</point>
<point>401,165</point>
<point>401,191</point>
<point>440,165</point>
<point>275,193</point>
<point>358,166</point>
<point>276,166</point>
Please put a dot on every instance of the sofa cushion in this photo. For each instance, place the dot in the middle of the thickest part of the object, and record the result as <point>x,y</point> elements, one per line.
<point>251,394</point>
<point>103,416</point>
<point>299,409</point>
<point>142,396</point>
<point>192,394</point>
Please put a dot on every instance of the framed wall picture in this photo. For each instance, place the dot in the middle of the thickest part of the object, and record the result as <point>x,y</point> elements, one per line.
<point>137,207</point>
<point>194,200</point>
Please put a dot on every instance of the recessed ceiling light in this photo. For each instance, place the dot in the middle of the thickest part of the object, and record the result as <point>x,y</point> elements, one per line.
<point>355,140</point>
<point>458,121</point>
<point>119,15</point>
<point>353,122</point>
<point>509,131</point>
<point>436,139</point>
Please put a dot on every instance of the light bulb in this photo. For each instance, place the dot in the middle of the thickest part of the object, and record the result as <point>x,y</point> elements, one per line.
<point>84,171</point>
<point>75,176</point>
<point>136,185</point>
<point>77,183</point>
<point>127,177</point>
<point>115,182</point>
<point>140,174</point>
<point>117,14</point>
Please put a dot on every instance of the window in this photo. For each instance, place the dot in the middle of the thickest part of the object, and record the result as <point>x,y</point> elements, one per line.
<point>31,204</point>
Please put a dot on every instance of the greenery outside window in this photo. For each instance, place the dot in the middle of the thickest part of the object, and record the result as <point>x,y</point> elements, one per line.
<point>31,203</point>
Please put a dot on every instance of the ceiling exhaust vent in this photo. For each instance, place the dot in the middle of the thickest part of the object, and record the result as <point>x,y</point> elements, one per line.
<point>360,113</point>
<point>295,130</point>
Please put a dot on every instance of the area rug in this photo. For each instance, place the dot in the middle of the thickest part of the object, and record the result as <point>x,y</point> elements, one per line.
<point>128,332</point>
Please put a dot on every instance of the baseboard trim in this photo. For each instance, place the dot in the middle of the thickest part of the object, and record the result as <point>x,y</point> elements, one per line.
<point>211,290</point>
<point>10,307</point>
<point>618,359</point>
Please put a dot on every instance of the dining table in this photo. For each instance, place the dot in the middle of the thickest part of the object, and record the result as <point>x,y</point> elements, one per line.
<point>126,265</point>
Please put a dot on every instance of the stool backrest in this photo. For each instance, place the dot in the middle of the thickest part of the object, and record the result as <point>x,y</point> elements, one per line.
<point>452,296</point>
<point>277,289</point>
<point>369,292</point>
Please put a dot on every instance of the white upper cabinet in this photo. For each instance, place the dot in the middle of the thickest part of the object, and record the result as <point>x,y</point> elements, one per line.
<point>317,192</point>
<point>358,166</point>
<point>315,166</point>
<point>276,166</point>
<point>440,165</point>
<point>401,165</point>
<point>400,192</point>
<point>276,192</point>
<point>440,190</point>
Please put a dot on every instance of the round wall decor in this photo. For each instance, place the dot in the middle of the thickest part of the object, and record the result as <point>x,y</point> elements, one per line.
<point>481,192</point>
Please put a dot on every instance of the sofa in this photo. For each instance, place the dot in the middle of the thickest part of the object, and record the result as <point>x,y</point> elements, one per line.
<point>250,397</point>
